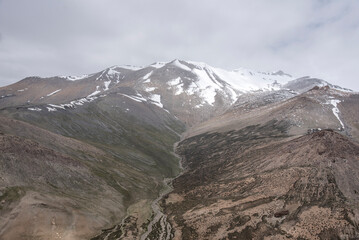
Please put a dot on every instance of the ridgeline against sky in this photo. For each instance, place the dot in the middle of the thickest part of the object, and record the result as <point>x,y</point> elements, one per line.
<point>48,38</point>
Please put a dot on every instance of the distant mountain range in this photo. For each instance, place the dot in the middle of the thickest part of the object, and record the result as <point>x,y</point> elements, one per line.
<point>264,155</point>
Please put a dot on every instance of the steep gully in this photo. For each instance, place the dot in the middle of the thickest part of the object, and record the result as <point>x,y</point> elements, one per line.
<point>158,228</point>
<point>165,229</point>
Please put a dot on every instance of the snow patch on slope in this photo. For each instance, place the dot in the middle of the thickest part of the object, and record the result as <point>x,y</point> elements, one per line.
<point>156,99</point>
<point>73,104</point>
<point>147,75</point>
<point>35,109</point>
<point>51,109</point>
<point>336,111</point>
<point>158,64</point>
<point>150,89</point>
<point>177,85</point>
<point>180,65</point>
<point>174,82</point>
<point>191,89</point>
<point>208,87</point>
<point>153,99</point>
<point>246,80</point>
<point>107,84</point>
<point>75,78</point>
<point>211,80</point>
<point>112,71</point>
<point>137,98</point>
<point>97,91</point>
<point>50,94</point>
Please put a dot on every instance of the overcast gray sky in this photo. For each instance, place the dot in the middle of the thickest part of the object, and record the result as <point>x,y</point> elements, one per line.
<point>319,38</point>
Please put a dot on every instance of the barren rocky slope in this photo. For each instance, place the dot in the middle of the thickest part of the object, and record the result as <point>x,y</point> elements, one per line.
<point>260,183</point>
<point>121,160</point>
<point>265,169</point>
<point>44,193</point>
<point>309,110</point>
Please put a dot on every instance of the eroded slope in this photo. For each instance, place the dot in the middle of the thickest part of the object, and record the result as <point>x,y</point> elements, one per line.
<point>260,183</point>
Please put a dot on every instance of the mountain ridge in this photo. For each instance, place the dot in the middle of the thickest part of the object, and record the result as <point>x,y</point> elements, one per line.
<point>202,89</point>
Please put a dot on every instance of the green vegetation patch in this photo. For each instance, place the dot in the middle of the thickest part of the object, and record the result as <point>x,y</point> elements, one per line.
<point>9,195</point>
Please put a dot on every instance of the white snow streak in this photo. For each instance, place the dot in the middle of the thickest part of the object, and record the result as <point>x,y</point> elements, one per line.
<point>35,109</point>
<point>156,99</point>
<point>135,98</point>
<point>75,78</point>
<point>206,85</point>
<point>177,85</point>
<point>57,106</point>
<point>147,75</point>
<point>95,92</point>
<point>336,111</point>
<point>150,89</point>
<point>107,83</point>
<point>174,82</point>
<point>180,65</point>
<point>73,104</point>
<point>51,109</point>
<point>50,94</point>
<point>158,64</point>
<point>112,71</point>
<point>100,75</point>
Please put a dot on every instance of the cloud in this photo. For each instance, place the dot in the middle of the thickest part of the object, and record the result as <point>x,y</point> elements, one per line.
<point>49,37</point>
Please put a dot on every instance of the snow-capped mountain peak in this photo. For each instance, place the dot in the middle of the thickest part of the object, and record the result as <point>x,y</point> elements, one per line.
<point>182,87</point>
